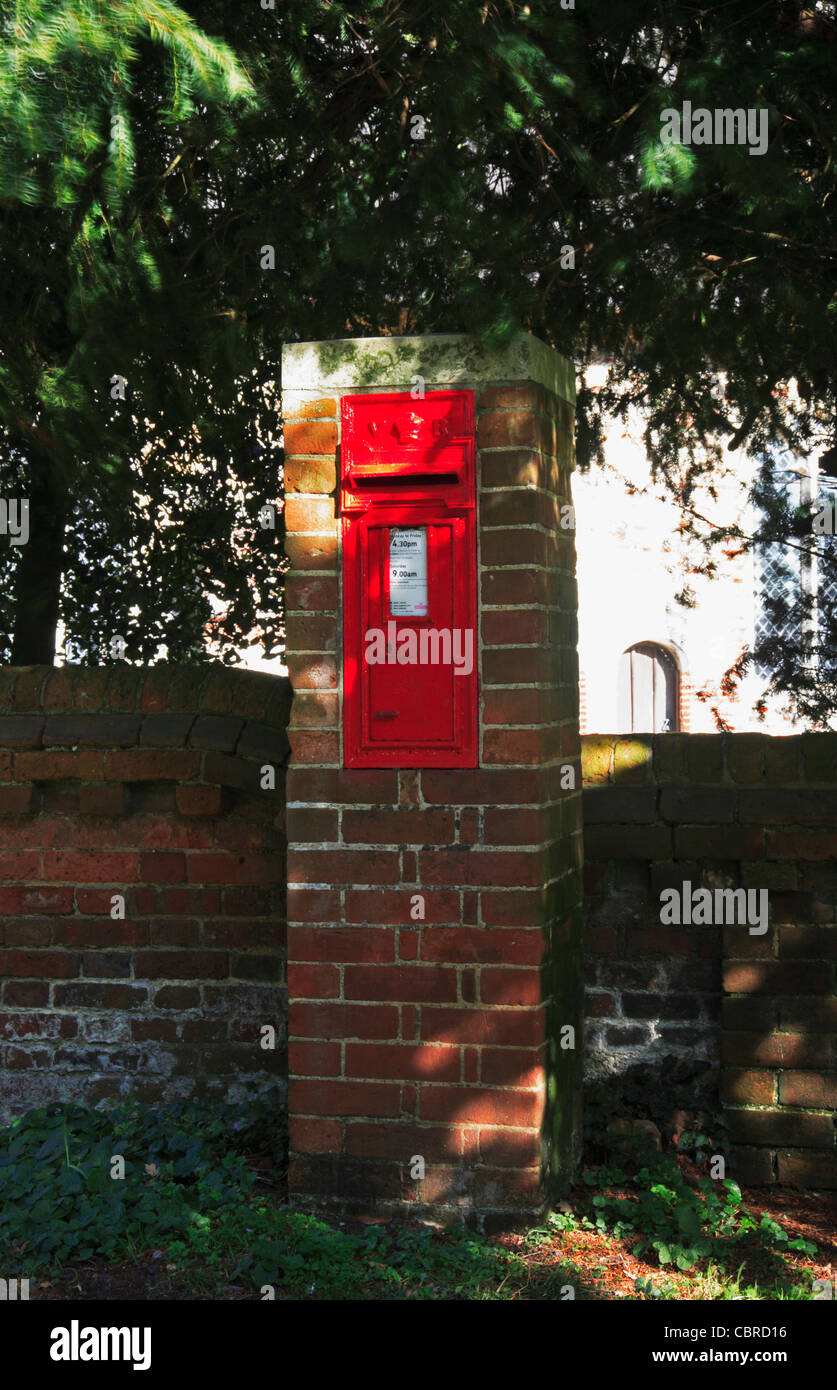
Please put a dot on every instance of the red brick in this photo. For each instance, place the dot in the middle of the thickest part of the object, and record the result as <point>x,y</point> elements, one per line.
<point>27,994</point>
<point>401,1142</point>
<point>393,906</point>
<point>514,627</point>
<point>513,1187</point>
<point>235,868</point>
<point>497,1027</point>
<point>88,932</point>
<point>311,593</point>
<point>17,800</point>
<point>104,799</point>
<point>198,800</point>
<point>19,864</point>
<point>339,1097</point>
<point>80,867</point>
<point>342,866</point>
<point>408,945</point>
<point>748,1087</point>
<point>514,546</point>
<point>400,1061</point>
<point>29,931</point>
<point>310,632</point>
<point>49,1025</point>
<point>181,932</point>
<point>315,709</point>
<point>517,586</point>
<point>469,826</point>
<point>815,1171</point>
<point>310,436</point>
<point>315,746</point>
<point>344,786</point>
<point>239,934</point>
<point>528,747</point>
<point>482,787</point>
<point>315,552</point>
<point>512,707</point>
<point>53,965</point>
<point>785,844</point>
<point>815,943</point>
<point>310,475</point>
<point>314,1136</point>
<point>86,994</point>
<point>479,1106</point>
<point>481,946</point>
<point>154,1030</point>
<point>775,1049</point>
<point>181,965</point>
<point>312,671</point>
<point>313,904</point>
<point>407,984</point>
<point>509,398</point>
<point>402,827</point>
<point>511,909</point>
<point>510,986</point>
<point>316,825</point>
<point>146,765</point>
<point>812,1089</point>
<point>313,981</point>
<point>324,408</point>
<point>505,665</point>
<point>314,1058</point>
<point>506,429</point>
<point>508,1148</point>
<point>489,867</point>
<point>334,1020</point>
<point>797,1127</point>
<point>512,1066</point>
<point>526,827</point>
<point>163,868</point>
<point>58,767</point>
<point>774,977</point>
<point>340,944</point>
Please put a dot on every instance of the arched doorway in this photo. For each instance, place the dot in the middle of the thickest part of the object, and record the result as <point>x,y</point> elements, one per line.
<point>649,692</point>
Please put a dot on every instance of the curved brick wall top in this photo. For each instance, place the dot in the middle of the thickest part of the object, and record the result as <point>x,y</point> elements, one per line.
<point>213,708</point>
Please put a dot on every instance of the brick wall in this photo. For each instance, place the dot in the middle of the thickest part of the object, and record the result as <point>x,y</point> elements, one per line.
<point>143,784</point>
<point>720,811</point>
<point>436,1038</point>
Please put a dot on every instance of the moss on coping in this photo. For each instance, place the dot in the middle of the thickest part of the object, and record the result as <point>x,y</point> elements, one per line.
<point>440,358</point>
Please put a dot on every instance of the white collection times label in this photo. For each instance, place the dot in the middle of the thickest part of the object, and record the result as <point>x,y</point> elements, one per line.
<point>408,572</point>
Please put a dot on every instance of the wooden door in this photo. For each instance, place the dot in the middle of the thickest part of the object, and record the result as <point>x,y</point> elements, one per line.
<point>648,690</point>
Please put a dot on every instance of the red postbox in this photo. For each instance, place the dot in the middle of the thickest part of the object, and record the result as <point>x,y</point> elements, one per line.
<point>410,651</point>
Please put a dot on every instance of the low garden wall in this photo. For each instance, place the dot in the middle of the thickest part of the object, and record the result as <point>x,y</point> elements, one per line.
<point>755,1001</point>
<point>142,883</point>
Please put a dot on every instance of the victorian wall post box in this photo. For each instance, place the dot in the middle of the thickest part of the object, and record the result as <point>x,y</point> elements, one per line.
<point>407,506</point>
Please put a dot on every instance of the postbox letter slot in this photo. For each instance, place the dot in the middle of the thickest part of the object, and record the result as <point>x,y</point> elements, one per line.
<point>360,479</point>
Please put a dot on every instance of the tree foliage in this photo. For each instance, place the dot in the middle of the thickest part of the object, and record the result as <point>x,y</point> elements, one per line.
<point>419,166</point>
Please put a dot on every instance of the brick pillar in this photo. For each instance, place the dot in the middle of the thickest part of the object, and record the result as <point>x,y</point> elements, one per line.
<point>443,1039</point>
